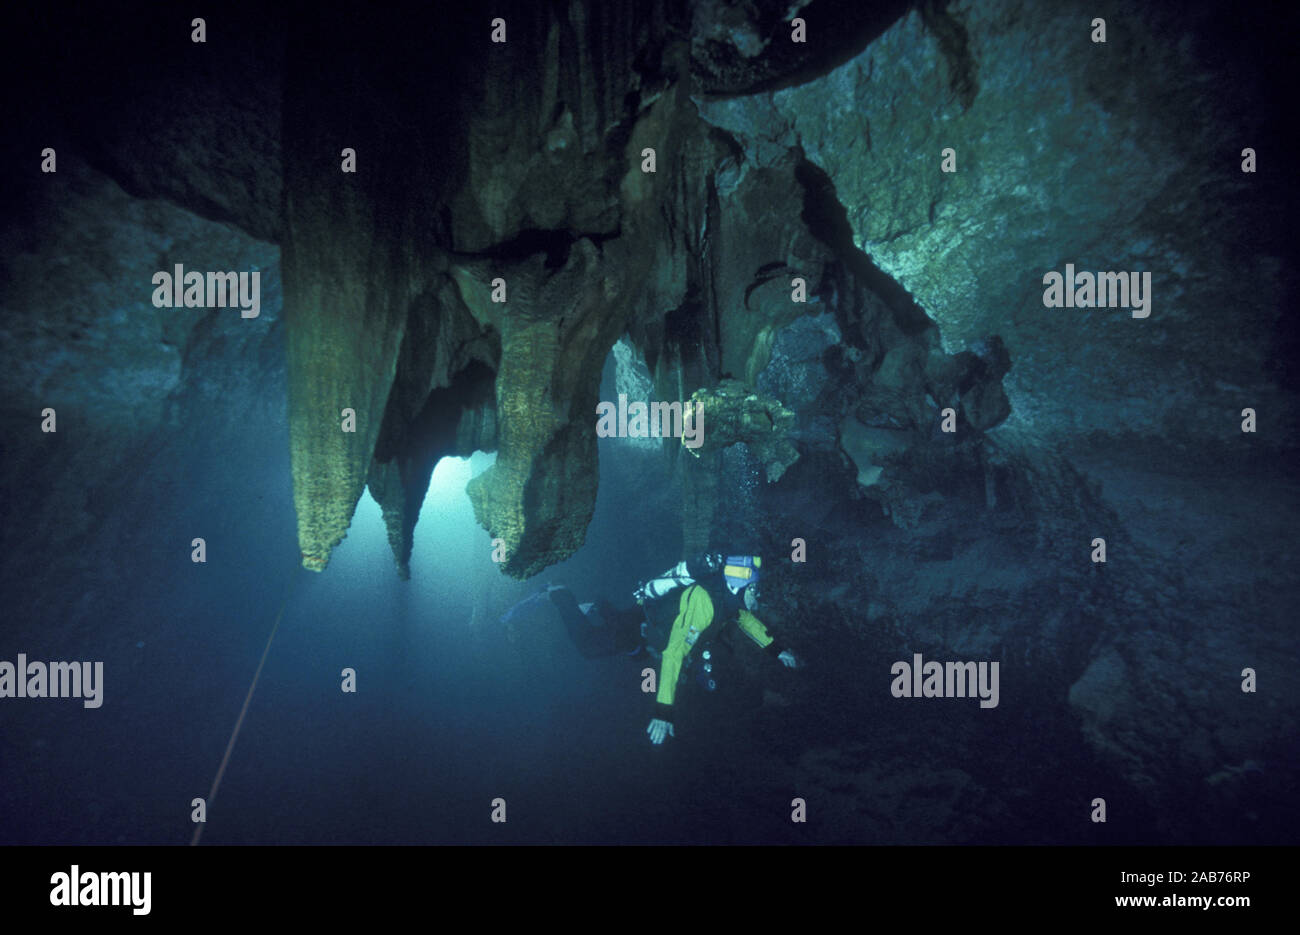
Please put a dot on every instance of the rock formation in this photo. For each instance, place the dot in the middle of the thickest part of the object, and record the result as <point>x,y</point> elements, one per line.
<point>766,228</point>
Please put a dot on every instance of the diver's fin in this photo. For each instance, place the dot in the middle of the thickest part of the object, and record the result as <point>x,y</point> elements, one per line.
<point>522,606</point>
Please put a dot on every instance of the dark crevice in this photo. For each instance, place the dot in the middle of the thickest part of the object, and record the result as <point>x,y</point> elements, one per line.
<point>556,244</point>
<point>735,151</point>
<point>765,274</point>
<point>828,221</point>
<point>433,432</point>
<point>837,31</point>
<point>433,435</point>
<point>954,44</point>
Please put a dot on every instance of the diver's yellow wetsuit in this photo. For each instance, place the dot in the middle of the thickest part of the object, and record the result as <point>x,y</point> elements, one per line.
<point>695,614</point>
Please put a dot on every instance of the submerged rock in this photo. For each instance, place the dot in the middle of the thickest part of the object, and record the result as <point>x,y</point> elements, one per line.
<point>731,413</point>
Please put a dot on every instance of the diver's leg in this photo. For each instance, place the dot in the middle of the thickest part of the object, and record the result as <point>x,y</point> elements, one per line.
<point>575,621</point>
<point>624,626</point>
<point>591,641</point>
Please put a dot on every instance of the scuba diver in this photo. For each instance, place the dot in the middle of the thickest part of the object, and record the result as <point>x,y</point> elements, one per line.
<point>682,611</point>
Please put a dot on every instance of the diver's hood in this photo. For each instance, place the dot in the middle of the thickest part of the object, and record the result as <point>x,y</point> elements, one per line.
<point>741,570</point>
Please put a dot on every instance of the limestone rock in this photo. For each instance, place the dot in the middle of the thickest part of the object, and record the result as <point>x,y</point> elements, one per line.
<point>1046,131</point>
<point>732,413</point>
<point>871,448</point>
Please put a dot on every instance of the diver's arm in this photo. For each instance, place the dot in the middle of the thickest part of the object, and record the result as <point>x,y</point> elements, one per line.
<point>755,630</point>
<point>670,670</point>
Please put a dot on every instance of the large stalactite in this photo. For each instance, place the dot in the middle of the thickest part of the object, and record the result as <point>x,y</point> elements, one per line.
<point>542,140</point>
<point>543,187</point>
<point>358,253</point>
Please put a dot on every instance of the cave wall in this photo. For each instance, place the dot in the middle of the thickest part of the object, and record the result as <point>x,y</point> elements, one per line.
<point>1117,156</point>
<point>1117,427</point>
<point>143,397</point>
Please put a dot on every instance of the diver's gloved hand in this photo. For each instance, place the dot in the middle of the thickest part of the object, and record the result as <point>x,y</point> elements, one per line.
<point>788,658</point>
<point>640,595</point>
<point>713,561</point>
<point>658,730</point>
